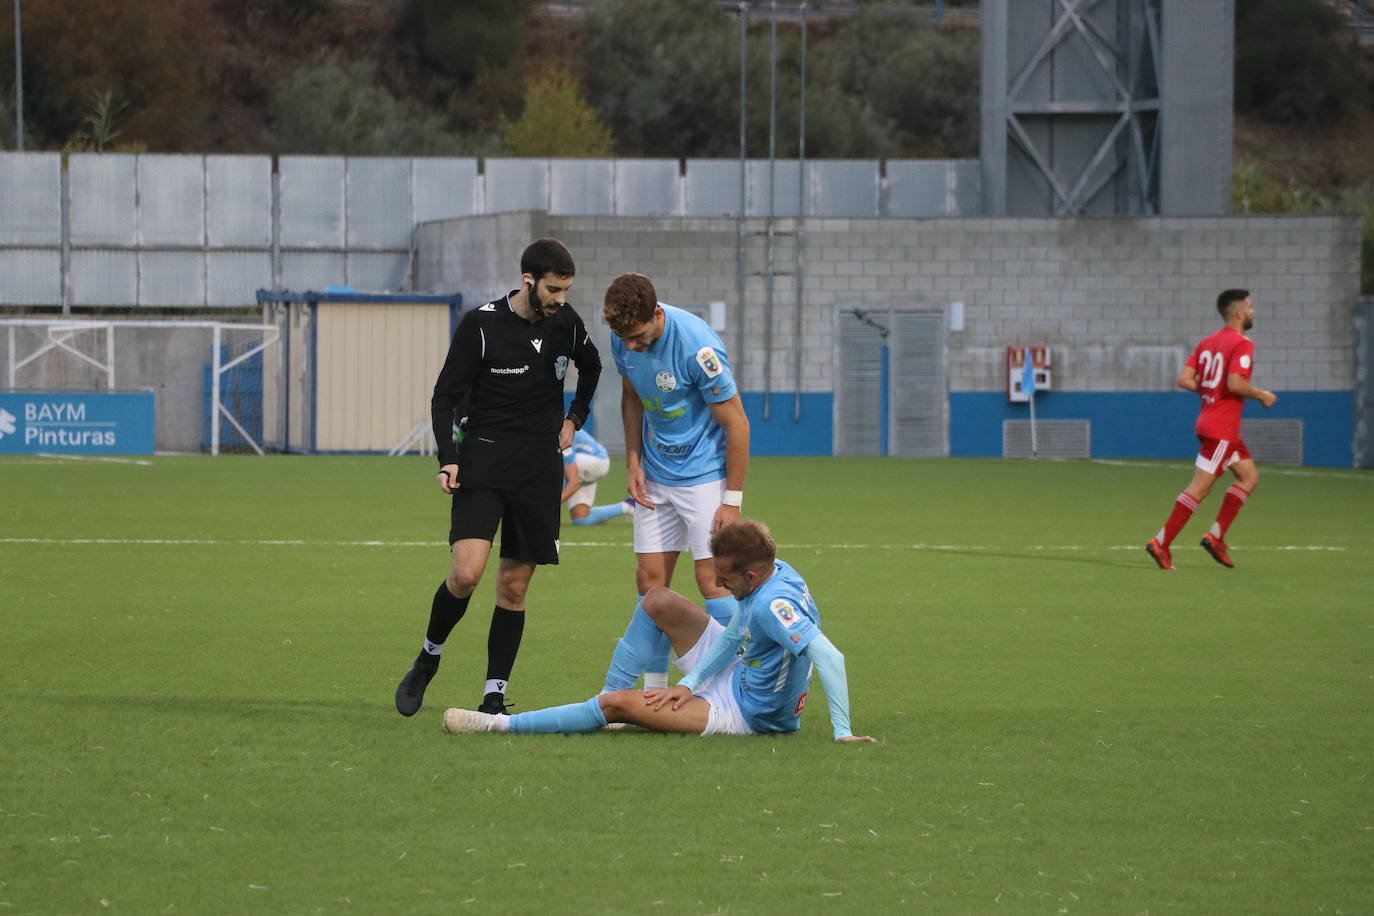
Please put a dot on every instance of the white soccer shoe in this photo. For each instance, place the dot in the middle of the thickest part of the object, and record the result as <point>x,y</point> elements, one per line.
<point>464,721</point>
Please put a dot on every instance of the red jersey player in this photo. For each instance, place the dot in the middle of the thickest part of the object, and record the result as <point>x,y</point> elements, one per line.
<point>1219,370</point>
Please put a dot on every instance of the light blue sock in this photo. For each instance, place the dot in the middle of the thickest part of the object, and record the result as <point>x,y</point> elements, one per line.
<point>644,647</point>
<point>561,720</point>
<point>721,608</point>
<point>601,514</point>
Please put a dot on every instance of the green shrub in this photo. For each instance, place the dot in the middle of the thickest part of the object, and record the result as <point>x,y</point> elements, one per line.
<point>557,121</point>
<point>1253,190</point>
<point>341,109</point>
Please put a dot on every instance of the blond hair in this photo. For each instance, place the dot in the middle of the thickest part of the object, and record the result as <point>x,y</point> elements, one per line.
<point>747,543</point>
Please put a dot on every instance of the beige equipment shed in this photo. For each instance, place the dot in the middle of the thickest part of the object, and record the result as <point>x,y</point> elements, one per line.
<point>357,369</point>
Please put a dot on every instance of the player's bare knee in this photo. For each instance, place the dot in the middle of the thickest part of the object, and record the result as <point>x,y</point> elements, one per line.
<point>616,704</point>
<point>512,598</point>
<point>706,584</point>
<point>646,579</point>
<point>658,601</point>
<point>461,582</point>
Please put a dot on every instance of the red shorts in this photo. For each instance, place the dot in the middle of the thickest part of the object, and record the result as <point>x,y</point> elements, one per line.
<point>1216,455</point>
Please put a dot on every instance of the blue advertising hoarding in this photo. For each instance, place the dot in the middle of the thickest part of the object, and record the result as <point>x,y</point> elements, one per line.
<point>76,423</point>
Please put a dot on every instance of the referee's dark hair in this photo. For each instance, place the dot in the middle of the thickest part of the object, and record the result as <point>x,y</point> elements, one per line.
<point>1229,296</point>
<point>547,256</point>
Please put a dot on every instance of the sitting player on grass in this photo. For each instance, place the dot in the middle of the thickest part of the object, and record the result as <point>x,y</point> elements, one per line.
<point>745,679</point>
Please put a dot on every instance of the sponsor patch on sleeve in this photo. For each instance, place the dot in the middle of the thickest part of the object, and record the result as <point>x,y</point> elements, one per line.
<point>709,362</point>
<point>783,610</point>
<point>1245,361</point>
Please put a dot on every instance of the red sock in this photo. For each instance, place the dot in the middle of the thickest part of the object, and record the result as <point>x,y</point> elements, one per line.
<point>1183,510</point>
<point>1235,498</point>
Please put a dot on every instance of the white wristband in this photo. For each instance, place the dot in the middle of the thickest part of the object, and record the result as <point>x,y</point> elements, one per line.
<point>733,498</point>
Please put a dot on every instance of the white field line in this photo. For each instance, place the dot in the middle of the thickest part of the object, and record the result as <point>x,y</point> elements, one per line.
<point>1265,469</point>
<point>620,545</point>
<point>54,458</point>
<point>44,458</point>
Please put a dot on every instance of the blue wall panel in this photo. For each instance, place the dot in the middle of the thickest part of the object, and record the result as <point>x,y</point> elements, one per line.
<point>77,423</point>
<point>813,434</point>
<point>1149,424</point>
<point>1144,424</point>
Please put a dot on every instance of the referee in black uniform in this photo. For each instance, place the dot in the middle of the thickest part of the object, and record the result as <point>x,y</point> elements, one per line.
<point>505,367</point>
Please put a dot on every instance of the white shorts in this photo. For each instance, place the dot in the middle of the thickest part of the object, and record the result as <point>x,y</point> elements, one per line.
<point>589,471</point>
<point>724,717</point>
<point>680,520</point>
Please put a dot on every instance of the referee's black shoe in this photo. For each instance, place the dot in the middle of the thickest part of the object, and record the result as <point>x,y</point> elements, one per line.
<point>411,692</point>
<point>494,703</point>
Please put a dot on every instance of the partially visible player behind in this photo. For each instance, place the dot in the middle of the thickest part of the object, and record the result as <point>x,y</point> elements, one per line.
<point>585,462</point>
<point>1219,370</point>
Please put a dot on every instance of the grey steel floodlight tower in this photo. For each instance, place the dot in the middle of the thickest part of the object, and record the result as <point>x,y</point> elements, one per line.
<point>1107,107</point>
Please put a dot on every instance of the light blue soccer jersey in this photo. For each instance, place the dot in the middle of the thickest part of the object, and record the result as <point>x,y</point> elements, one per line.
<point>677,379</point>
<point>771,680</point>
<point>583,444</point>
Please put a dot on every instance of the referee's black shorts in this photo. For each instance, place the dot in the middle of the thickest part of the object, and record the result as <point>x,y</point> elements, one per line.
<point>514,483</point>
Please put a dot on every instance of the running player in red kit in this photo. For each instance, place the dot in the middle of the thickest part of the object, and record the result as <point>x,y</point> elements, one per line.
<point>1219,370</point>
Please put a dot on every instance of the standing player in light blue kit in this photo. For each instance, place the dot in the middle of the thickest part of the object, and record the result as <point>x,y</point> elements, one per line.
<point>750,678</point>
<point>686,454</point>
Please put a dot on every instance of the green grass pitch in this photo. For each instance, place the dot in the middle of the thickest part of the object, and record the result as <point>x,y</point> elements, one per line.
<point>199,657</point>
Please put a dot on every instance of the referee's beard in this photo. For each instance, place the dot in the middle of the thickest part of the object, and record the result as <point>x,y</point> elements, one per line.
<point>537,313</point>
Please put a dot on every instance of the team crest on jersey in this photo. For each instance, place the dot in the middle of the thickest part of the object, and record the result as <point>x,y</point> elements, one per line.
<point>560,366</point>
<point>709,362</point>
<point>783,610</point>
<point>665,381</point>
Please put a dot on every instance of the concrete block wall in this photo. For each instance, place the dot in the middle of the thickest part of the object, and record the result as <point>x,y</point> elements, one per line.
<point>1121,301</point>
<point>478,256</point>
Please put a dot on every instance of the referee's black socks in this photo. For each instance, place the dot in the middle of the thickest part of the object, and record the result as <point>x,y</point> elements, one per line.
<point>444,614</point>
<point>503,644</point>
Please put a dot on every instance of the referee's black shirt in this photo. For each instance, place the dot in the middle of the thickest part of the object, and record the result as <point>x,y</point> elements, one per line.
<point>509,372</point>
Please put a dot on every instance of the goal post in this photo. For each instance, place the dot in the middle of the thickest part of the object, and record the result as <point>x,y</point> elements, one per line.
<point>195,370</point>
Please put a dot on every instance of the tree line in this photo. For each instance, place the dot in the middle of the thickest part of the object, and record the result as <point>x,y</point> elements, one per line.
<point>653,78</point>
